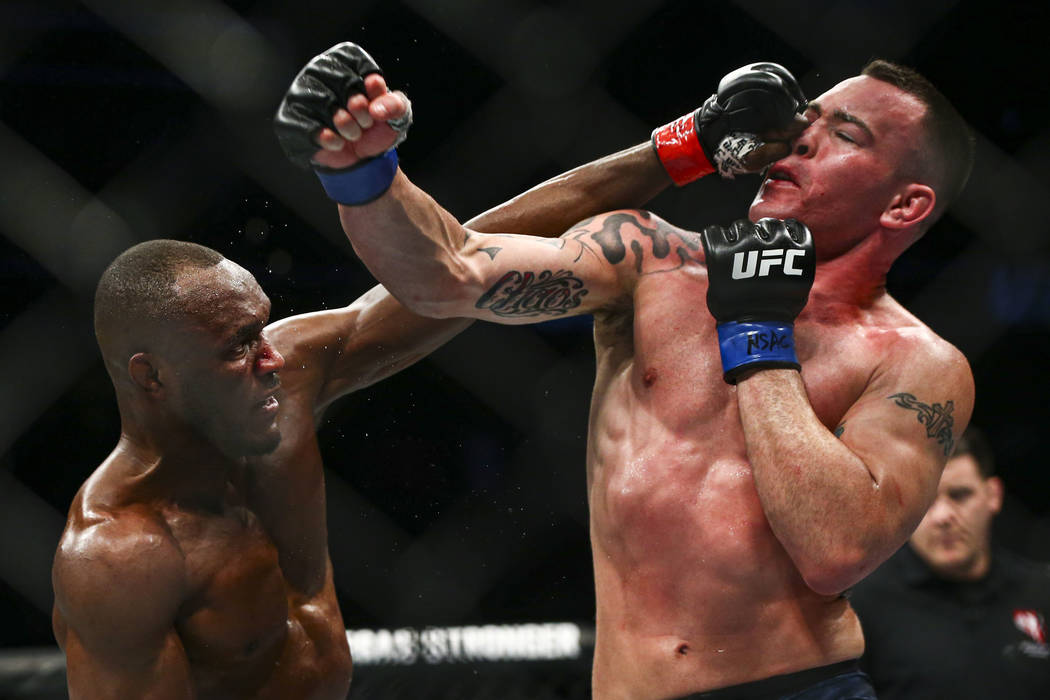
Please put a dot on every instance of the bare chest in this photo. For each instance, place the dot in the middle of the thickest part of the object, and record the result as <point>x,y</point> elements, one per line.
<point>667,452</point>
<point>237,613</point>
<point>285,491</point>
<point>674,369</point>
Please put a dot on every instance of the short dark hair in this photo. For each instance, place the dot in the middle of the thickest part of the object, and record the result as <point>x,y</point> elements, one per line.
<point>138,286</point>
<point>949,150</point>
<point>974,443</point>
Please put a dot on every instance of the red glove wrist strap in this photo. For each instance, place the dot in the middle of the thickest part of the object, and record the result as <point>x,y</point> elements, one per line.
<point>678,147</point>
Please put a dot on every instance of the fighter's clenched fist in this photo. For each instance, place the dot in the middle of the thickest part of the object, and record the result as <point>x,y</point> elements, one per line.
<point>759,276</point>
<point>746,125</point>
<point>340,118</point>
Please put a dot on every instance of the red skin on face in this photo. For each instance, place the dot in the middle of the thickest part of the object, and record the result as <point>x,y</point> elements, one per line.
<point>843,171</point>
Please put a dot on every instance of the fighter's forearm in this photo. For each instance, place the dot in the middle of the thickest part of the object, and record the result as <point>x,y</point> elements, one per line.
<point>819,497</point>
<point>411,245</point>
<point>624,180</point>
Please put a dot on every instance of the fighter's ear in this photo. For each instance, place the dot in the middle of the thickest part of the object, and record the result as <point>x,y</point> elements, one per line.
<point>142,368</point>
<point>995,493</point>
<point>910,205</point>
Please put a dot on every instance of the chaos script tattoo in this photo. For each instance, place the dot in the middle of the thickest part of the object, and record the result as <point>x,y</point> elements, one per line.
<point>529,294</point>
<point>937,418</point>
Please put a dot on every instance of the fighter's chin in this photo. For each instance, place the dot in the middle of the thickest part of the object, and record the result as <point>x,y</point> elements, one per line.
<point>267,443</point>
<point>766,206</point>
<point>256,445</point>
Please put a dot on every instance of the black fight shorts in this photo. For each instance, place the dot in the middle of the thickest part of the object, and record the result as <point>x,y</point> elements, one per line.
<point>841,681</point>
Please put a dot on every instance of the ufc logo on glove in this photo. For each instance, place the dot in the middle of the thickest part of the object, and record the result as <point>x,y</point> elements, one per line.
<point>758,280</point>
<point>770,258</point>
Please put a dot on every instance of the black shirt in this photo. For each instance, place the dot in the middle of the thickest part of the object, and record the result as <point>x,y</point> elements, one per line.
<point>928,638</point>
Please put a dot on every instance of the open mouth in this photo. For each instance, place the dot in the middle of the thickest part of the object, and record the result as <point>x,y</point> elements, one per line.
<point>268,405</point>
<point>781,174</point>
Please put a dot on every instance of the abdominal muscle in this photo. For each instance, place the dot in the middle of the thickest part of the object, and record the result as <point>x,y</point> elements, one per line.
<point>694,591</point>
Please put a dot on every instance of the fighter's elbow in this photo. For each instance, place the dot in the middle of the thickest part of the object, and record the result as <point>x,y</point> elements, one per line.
<point>827,583</point>
<point>423,304</point>
<point>431,304</point>
<point>832,574</point>
<point>447,294</point>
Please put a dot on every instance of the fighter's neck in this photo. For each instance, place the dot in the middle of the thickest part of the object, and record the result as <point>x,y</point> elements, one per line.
<point>855,277</point>
<point>191,472</point>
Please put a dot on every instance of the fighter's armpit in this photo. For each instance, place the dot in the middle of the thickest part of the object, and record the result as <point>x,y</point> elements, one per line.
<point>936,417</point>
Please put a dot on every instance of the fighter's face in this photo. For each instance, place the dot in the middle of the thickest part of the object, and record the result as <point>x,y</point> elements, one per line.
<point>954,536</point>
<point>845,168</point>
<point>225,382</point>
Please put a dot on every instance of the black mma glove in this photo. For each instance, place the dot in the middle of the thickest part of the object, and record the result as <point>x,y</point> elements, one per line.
<point>759,276</point>
<point>750,100</point>
<point>322,88</point>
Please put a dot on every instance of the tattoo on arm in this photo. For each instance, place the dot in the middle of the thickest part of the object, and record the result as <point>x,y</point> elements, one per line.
<point>550,293</point>
<point>839,430</point>
<point>937,418</point>
<point>639,255</point>
<point>611,240</point>
<point>528,294</point>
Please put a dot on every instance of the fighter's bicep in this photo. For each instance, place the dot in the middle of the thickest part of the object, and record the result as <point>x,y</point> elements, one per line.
<point>904,429</point>
<point>338,351</point>
<point>118,593</point>
<point>885,422</point>
<point>920,398</point>
<point>155,669</point>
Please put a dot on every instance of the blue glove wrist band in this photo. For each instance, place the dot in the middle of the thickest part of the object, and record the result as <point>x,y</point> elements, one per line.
<point>747,344</point>
<point>363,182</point>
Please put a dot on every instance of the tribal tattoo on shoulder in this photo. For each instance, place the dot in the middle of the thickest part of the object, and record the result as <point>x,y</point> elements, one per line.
<point>937,418</point>
<point>613,244</point>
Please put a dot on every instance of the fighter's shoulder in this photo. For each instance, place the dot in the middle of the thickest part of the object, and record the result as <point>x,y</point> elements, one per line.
<point>119,581</point>
<point>290,335</point>
<point>319,331</point>
<point>309,343</point>
<point>916,360</point>
<point>115,553</point>
<point>913,346</point>
<point>637,238</point>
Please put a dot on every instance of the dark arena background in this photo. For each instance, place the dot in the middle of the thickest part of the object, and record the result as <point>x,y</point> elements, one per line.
<point>456,490</point>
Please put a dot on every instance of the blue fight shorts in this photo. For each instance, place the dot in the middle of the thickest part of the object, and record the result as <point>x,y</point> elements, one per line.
<point>841,681</point>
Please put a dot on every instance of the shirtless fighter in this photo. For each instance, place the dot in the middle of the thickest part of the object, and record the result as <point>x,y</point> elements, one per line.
<point>749,458</point>
<point>195,561</point>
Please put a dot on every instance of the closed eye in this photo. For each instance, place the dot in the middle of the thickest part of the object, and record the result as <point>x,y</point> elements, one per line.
<point>242,348</point>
